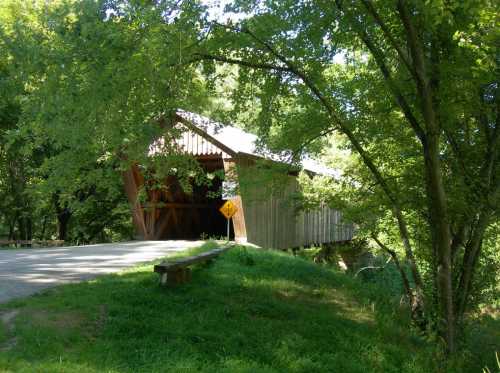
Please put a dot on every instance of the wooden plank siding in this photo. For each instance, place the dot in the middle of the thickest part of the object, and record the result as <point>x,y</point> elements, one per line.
<point>272,222</point>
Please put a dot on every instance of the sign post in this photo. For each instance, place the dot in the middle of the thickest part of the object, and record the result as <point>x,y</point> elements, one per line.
<point>228,209</point>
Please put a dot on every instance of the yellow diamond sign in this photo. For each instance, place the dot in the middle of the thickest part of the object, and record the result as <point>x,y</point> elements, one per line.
<point>228,209</point>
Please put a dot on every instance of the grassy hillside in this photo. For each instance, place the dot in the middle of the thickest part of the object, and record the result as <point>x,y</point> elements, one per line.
<point>250,311</point>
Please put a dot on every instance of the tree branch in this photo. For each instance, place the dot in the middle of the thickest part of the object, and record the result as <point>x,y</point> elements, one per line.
<point>253,65</point>
<point>378,55</point>
<point>304,144</point>
<point>395,258</point>
<point>378,19</point>
<point>416,51</point>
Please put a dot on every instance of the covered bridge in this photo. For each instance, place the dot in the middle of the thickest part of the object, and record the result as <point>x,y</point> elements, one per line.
<point>265,217</point>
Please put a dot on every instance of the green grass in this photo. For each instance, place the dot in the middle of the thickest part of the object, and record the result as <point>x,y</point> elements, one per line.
<point>251,311</point>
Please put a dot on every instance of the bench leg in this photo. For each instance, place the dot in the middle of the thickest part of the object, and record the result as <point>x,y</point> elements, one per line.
<point>176,277</point>
<point>187,274</point>
<point>163,278</point>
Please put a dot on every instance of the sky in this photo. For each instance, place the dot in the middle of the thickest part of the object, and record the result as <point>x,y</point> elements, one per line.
<point>216,11</point>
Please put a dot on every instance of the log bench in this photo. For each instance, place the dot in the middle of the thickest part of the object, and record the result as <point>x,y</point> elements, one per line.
<point>173,273</point>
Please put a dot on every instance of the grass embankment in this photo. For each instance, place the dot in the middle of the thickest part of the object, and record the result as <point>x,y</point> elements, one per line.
<point>250,311</point>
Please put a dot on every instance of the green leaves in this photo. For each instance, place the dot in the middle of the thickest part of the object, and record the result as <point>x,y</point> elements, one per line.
<point>91,82</point>
<point>416,96</point>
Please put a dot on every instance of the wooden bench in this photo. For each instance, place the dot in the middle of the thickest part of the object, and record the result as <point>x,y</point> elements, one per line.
<point>32,243</point>
<point>173,273</point>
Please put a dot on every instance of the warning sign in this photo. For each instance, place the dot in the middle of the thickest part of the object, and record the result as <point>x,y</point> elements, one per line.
<point>228,209</point>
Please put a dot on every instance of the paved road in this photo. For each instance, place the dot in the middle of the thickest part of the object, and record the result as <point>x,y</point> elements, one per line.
<point>26,271</point>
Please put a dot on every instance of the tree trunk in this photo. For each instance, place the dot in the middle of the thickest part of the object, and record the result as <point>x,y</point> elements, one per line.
<point>472,251</point>
<point>25,229</point>
<point>63,216</point>
<point>12,229</point>
<point>44,227</point>
<point>436,194</point>
<point>63,220</point>
<point>441,239</point>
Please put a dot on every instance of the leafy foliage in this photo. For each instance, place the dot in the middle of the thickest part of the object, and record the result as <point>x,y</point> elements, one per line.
<point>86,87</point>
<point>401,96</point>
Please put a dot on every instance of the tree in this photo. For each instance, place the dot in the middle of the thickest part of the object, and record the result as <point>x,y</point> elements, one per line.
<point>55,153</point>
<point>420,79</point>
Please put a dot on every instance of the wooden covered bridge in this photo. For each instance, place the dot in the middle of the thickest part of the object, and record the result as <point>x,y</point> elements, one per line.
<point>265,217</point>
